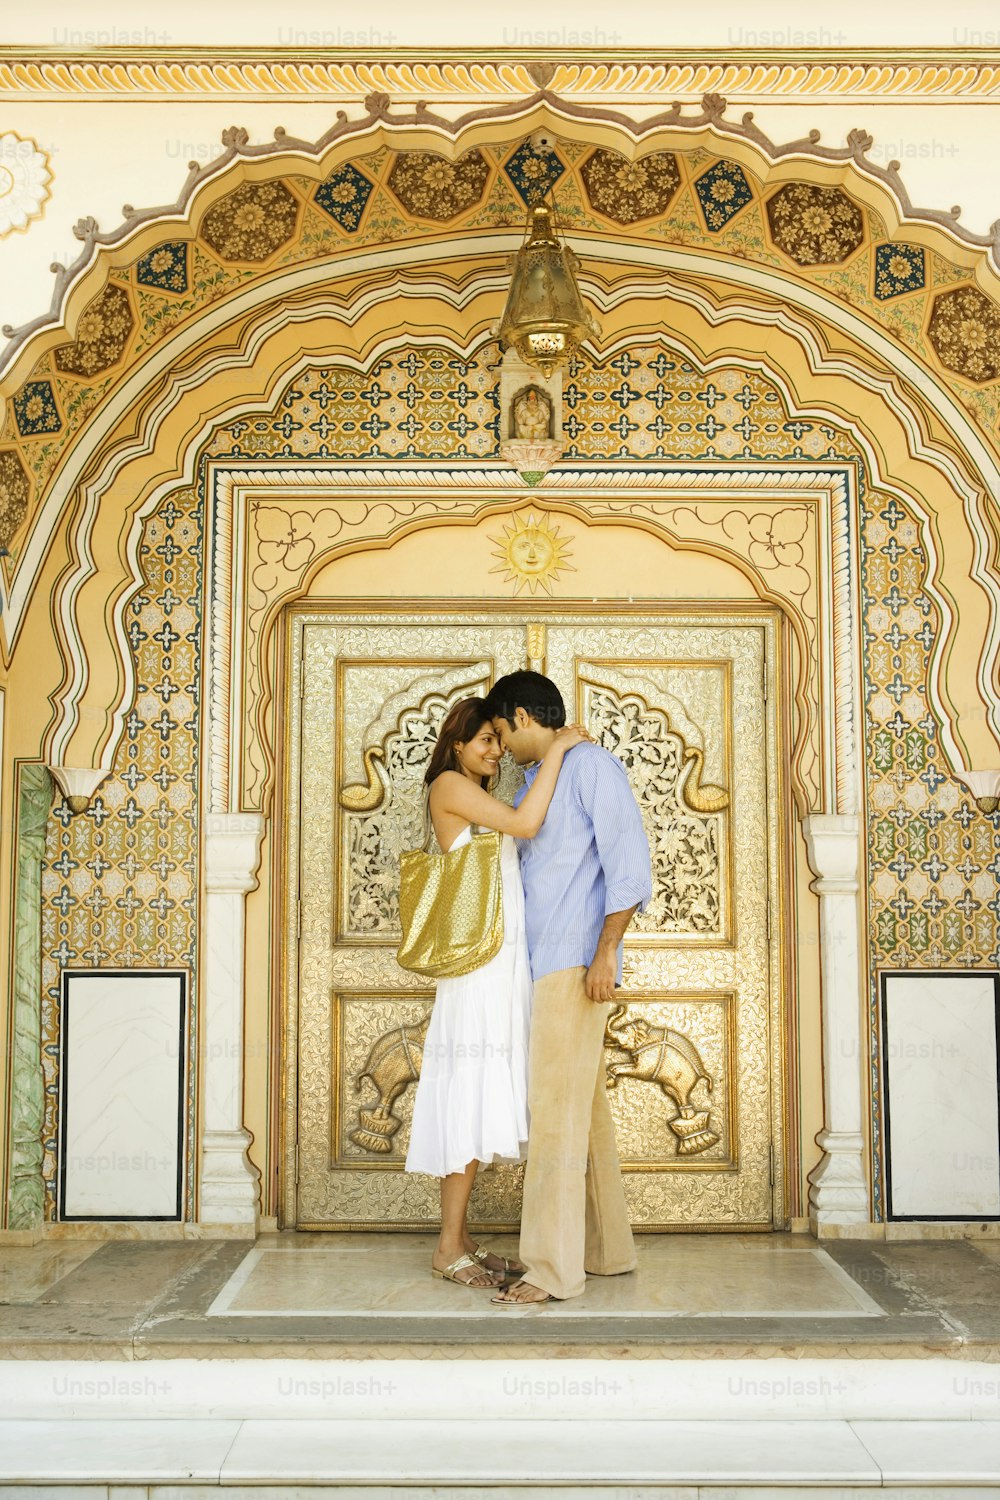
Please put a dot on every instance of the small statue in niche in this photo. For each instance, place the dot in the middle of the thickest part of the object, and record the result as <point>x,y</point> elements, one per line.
<point>530,417</point>
<point>532,413</point>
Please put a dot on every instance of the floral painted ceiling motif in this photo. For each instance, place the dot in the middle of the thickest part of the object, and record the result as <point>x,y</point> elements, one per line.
<point>252,222</point>
<point>432,187</point>
<point>101,335</point>
<point>814,225</point>
<point>14,489</point>
<point>24,182</point>
<point>746,154</point>
<point>151,278</point>
<point>965,332</point>
<point>627,191</point>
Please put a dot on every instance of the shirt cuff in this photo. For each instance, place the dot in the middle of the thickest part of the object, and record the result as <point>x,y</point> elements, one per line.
<point>625,894</point>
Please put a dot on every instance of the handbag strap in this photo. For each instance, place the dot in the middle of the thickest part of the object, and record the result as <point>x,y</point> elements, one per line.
<point>428,827</point>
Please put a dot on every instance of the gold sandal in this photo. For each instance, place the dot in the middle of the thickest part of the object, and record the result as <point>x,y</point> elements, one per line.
<point>481,1252</point>
<point>464,1263</point>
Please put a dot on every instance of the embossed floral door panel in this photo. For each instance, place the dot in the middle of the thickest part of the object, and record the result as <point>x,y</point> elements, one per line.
<point>370,697</point>
<point>693,1050</point>
<point>695,1042</point>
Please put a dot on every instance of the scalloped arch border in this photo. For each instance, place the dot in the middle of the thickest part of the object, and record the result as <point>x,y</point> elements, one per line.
<point>679,265</point>
<point>777,315</point>
<point>881,186</point>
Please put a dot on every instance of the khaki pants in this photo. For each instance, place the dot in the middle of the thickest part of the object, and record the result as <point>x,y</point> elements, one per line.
<point>573,1218</point>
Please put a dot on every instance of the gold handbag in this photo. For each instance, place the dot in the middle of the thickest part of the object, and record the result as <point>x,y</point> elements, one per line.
<point>451,908</point>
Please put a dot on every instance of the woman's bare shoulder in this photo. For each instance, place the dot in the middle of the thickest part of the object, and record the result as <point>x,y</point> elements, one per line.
<point>445,782</point>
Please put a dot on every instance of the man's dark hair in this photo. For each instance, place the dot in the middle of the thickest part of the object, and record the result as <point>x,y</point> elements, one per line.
<point>537,695</point>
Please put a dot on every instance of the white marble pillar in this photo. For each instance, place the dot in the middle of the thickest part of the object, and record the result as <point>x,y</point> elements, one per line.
<point>229,1182</point>
<point>838,1191</point>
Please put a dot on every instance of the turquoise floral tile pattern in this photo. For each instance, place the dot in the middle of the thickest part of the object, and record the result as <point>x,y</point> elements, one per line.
<point>933,858</point>
<point>423,404</point>
<point>654,404</point>
<point>533,173</point>
<point>898,269</point>
<point>344,196</point>
<point>722,191</point>
<point>120,881</point>
<point>166,267</point>
<point>35,409</point>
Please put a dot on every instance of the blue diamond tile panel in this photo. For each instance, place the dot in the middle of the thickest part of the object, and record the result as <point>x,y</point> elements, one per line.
<point>166,267</point>
<point>35,409</point>
<point>533,173</point>
<point>344,196</point>
<point>898,269</point>
<point>722,191</point>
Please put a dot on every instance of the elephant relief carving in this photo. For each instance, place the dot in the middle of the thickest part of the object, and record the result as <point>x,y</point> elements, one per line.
<point>392,1065</point>
<point>658,1055</point>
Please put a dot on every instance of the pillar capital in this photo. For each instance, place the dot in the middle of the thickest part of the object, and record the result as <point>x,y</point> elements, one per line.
<point>834,850</point>
<point>232,851</point>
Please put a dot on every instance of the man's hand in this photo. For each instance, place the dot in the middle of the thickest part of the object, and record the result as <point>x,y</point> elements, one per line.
<point>600,980</point>
<point>603,971</point>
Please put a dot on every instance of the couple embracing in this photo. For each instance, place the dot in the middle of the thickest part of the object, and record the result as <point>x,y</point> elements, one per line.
<point>518,1043</point>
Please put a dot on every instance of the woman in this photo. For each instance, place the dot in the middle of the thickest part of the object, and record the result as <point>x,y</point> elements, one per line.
<point>471,1102</point>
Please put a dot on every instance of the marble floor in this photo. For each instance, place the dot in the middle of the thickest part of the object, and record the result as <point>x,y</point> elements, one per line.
<point>709,1280</point>
<point>358,1295</point>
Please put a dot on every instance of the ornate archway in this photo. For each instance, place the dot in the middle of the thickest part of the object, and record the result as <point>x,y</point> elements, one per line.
<point>182,328</point>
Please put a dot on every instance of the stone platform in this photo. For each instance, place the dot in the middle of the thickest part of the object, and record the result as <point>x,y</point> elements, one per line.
<point>365,1295</point>
<point>314,1365</point>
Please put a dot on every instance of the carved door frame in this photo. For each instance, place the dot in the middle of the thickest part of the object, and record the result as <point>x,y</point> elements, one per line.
<point>785,1168</point>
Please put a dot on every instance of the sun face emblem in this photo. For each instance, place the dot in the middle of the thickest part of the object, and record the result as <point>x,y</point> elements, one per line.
<point>531,552</point>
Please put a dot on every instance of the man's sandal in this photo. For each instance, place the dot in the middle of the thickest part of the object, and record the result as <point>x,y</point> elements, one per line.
<point>465,1263</point>
<point>503,1301</point>
<point>481,1253</point>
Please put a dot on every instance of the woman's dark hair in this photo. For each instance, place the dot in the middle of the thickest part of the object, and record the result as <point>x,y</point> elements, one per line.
<point>537,695</point>
<point>462,723</point>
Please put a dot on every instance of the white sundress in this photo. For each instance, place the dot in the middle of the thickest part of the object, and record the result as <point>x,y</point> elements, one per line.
<point>472,1098</point>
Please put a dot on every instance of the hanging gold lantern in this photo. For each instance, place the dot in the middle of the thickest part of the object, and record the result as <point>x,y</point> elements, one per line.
<point>545,319</point>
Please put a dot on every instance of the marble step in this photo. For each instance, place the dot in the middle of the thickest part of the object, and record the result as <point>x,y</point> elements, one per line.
<point>570,1390</point>
<point>609,1429</point>
<point>176,1459</point>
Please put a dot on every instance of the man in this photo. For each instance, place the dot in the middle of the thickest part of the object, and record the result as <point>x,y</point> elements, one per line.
<point>585,875</point>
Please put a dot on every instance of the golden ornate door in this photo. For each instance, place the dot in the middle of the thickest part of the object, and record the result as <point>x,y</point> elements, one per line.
<point>694,1049</point>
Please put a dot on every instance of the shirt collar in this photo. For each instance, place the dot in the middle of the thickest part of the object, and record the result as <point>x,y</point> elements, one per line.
<point>530,772</point>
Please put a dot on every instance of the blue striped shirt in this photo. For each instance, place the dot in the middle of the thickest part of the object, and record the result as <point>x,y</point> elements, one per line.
<point>590,857</point>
